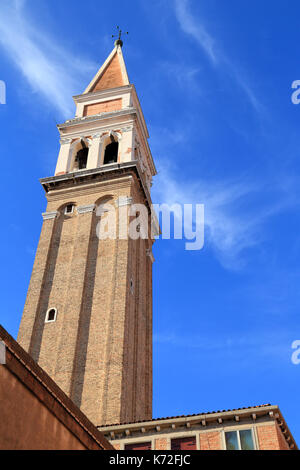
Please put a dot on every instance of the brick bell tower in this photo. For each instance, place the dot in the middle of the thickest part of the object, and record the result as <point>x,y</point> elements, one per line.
<point>87,320</point>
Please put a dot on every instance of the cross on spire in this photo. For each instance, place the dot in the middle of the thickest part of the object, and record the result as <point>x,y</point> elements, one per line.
<point>119,41</point>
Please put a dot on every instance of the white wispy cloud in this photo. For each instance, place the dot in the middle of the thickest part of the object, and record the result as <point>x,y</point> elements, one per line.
<point>229,229</point>
<point>186,77</point>
<point>52,71</point>
<point>194,27</point>
<point>234,222</point>
<point>231,226</point>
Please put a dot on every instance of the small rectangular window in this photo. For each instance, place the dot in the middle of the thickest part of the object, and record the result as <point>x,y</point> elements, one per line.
<point>231,440</point>
<point>239,440</point>
<point>246,439</point>
<point>138,446</point>
<point>69,209</point>
<point>185,443</point>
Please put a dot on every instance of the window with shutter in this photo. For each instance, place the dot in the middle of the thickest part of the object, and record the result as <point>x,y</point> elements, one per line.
<point>186,443</point>
<point>139,446</point>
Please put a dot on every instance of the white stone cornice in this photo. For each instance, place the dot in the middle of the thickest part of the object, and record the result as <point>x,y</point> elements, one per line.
<point>103,94</point>
<point>85,209</point>
<point>50,215</point>
<point>123,201</point>
<point>97,117</point>
<point>127,129</point>
<point>65,141</point>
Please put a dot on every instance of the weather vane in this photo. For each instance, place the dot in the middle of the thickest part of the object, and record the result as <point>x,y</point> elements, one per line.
<point>119,41</point>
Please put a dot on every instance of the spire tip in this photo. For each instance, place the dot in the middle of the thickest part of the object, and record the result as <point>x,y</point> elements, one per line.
<point>119,41</point>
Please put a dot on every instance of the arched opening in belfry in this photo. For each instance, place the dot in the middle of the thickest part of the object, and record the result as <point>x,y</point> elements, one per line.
<point>80,162</point>
<point>111,153</point>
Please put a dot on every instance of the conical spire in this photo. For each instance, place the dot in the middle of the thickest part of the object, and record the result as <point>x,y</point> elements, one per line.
<point>112,74</point>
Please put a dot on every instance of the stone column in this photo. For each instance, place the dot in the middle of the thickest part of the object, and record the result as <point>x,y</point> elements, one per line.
<point>63,157</point>
<point>126,149</point>
<point>94,152</point>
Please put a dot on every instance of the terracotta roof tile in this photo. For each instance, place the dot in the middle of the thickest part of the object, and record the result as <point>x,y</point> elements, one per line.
<point>189,416</point>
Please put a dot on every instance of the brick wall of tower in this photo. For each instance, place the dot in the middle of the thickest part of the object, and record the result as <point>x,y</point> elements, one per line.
<point>99,349</point>
<point>138,378</point>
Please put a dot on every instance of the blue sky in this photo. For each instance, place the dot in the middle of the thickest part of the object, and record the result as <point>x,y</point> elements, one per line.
<point>214,80</point>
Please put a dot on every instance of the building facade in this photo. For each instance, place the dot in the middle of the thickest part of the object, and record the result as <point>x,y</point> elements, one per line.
<point>257,428</point>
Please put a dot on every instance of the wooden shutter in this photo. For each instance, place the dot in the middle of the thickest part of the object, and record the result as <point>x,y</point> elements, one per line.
<point>140,446</point>
<point>186,443</point>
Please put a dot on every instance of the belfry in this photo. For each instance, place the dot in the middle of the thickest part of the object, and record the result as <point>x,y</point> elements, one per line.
<point>87,320</point>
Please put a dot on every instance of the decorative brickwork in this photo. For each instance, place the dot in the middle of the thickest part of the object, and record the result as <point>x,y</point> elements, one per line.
<point>105,107</point>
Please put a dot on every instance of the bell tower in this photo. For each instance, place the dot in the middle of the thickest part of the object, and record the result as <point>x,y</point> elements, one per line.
<point>87,319</point>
